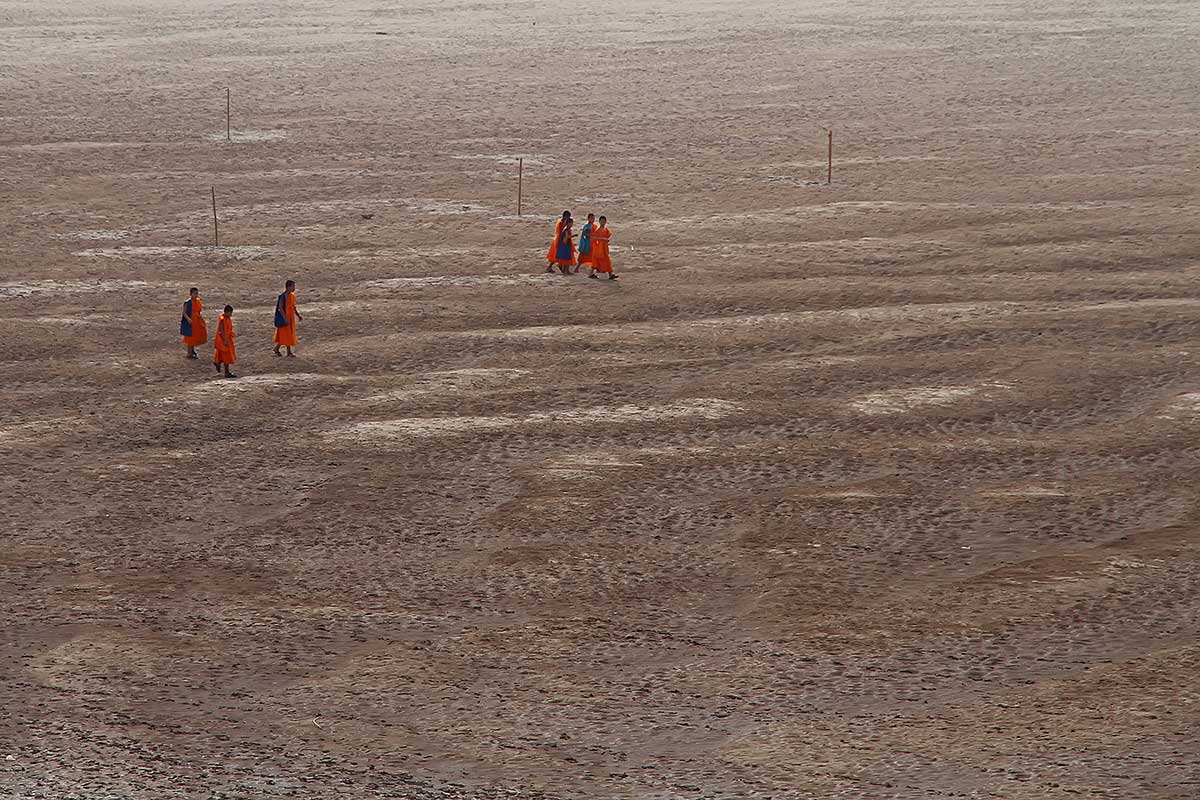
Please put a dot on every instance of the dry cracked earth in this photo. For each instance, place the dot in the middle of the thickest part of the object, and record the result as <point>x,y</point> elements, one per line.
<point>881,489</point>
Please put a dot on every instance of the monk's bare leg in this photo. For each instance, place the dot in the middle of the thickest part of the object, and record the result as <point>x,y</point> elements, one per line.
<point>191,352</point>
<point>217,366</point>
<point>290,353</point>
<point>229,374</point>
<point>276,351</point>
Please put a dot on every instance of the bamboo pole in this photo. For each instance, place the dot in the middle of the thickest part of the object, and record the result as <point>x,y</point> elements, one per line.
<point>520,182</point>
<point>216,230</point>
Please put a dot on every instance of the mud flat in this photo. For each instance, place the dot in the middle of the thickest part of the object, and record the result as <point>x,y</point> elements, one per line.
<point>881,489</point>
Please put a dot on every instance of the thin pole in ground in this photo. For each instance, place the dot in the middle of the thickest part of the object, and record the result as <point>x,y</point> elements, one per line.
<point>216,230</point>
<point>520,182</point>
<point>228,132</point>
<point>829,180</point>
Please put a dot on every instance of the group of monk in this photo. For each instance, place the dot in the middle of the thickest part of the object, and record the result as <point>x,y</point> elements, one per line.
<point>195,332</point>
<point>592,251</point>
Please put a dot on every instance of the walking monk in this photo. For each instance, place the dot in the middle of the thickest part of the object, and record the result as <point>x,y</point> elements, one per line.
<point>285,319</point>
<point>562,251</point>
<point>191,325</point>
<point>601,262</point>
<point>224,350</point>
<point>585,243</point>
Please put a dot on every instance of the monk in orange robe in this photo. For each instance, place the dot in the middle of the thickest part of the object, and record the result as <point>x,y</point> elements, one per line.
<point>585,243</point>
<point>191,325</point>
<point>601,261</point>
<point>224,349</point>
<point>562,249</point>
<point>285,319</point>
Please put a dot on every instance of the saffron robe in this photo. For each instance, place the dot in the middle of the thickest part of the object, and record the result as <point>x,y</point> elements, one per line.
<point>562,252</point>
<point>554,244</point>
<point>601,262</point>
<point>286,336</point>
<point>196,332</point>
<point>585,244</point>
<point>224,348</point>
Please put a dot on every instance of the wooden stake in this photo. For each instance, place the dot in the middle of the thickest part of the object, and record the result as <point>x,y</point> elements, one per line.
<point>228,133</point>
<point>216,230</point>
<point>520,182</point>
<point>830,179</point>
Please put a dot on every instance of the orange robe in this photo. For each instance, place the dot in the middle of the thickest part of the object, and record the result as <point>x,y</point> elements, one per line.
<point>585,259</point>
<point>564,255</point>
<point>224,349</point>
<point>199,329</point>
<point>554,243</point>
<point>286,337</point>
<point>601,262</point>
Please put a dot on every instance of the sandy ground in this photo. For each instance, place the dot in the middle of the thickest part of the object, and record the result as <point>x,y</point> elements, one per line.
<point>884,489</point>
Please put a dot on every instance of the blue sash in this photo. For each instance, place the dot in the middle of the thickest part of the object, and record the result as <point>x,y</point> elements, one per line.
<point>562,252</point>
<point>585,239</point>
<point>185,327</point>
<point>281,320</point>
